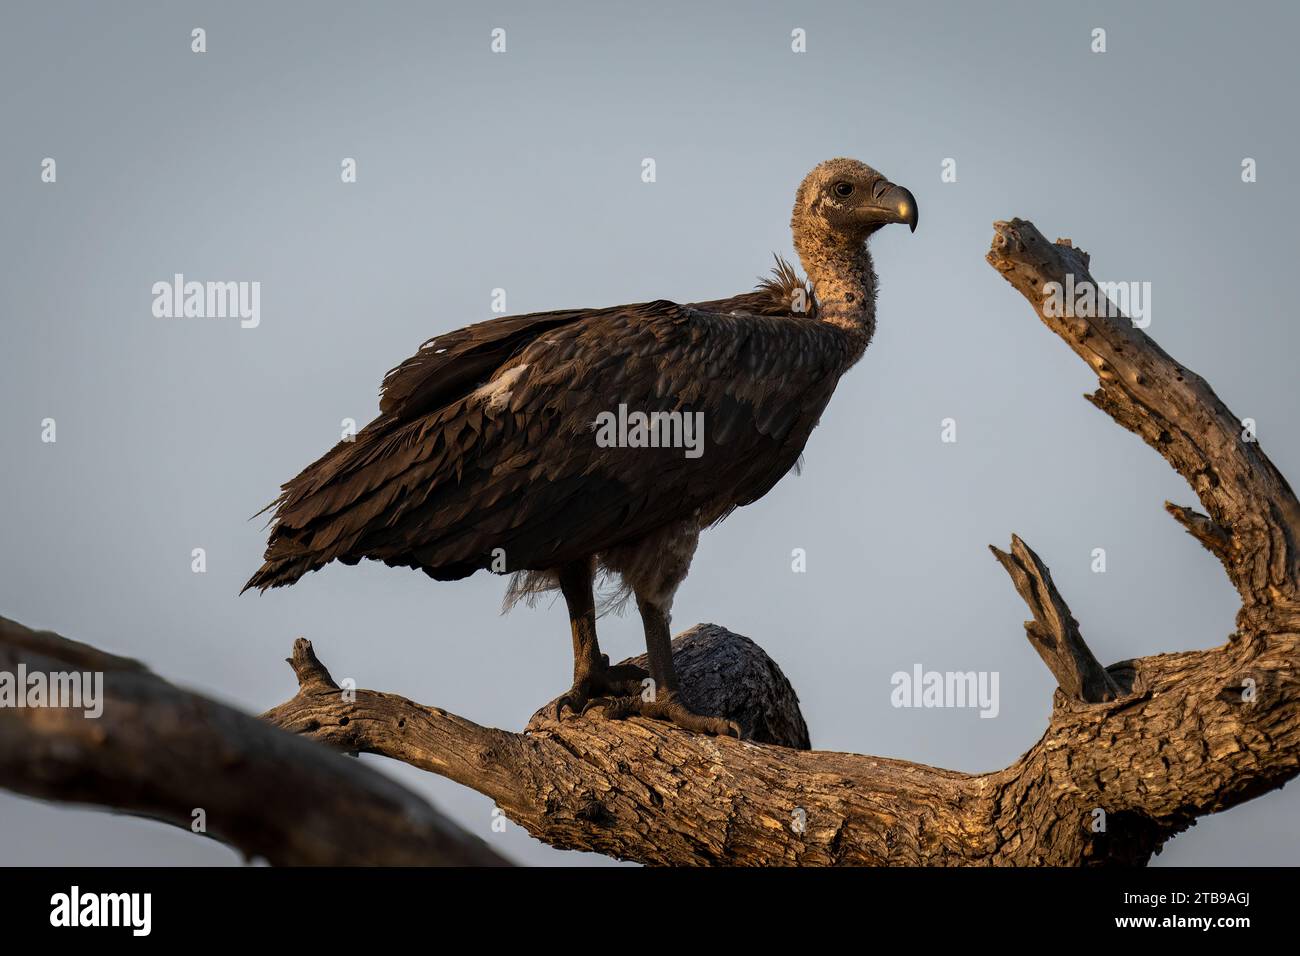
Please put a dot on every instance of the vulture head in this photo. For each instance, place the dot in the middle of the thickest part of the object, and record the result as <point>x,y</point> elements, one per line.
<point>843,201</point>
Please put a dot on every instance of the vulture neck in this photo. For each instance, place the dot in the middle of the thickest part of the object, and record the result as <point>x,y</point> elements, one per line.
<point>844,282</point>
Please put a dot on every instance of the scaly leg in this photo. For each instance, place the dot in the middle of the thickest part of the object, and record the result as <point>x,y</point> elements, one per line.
<point>666,703</point>
<point>592,674</point>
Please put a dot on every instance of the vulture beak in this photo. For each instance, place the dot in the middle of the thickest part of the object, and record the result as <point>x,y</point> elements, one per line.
<point>895,203</point>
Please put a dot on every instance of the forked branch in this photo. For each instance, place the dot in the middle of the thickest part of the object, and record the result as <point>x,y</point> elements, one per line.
<point>1054,632</point>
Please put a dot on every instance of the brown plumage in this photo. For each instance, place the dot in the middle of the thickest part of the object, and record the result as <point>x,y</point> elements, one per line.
<point>485,453</point>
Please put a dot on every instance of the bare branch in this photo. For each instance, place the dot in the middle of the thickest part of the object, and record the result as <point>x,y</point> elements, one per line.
<point>1054,632</point>
<point>1205,530</point>
<point>1176,413</point>
<point>161,752</point>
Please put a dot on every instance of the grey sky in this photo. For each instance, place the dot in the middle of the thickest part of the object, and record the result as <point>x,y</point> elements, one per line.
<point>522,171</point>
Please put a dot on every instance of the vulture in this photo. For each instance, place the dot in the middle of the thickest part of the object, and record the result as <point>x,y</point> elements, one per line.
<point>585,445</point>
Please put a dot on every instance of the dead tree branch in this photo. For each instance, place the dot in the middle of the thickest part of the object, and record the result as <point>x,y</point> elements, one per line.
<point>161,752</point>
<point>1254,518</point>
<point>1054,632</point>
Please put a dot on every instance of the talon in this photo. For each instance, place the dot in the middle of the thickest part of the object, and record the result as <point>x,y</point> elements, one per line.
<point>604,682</point>
<point>614,693</point>
<point>666,708</point>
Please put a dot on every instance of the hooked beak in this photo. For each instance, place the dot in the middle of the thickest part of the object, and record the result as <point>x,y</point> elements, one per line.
<point>895,203</point>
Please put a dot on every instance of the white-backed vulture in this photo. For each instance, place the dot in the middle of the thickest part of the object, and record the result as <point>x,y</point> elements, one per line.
<point>531,444</point>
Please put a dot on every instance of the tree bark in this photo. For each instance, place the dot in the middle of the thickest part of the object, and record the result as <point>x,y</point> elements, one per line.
<point>161,752</point>
<point>1133,753</point>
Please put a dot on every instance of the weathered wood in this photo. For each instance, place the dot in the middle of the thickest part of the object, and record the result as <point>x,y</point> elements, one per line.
<point>1177,413</point>
<point>1181,742</point>
<point>1054,632</point>
<point>161,752</point>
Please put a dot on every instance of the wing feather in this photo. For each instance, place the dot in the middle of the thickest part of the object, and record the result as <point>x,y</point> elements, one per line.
<point>464,460</point>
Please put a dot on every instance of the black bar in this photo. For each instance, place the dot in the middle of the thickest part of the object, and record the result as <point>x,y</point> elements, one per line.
<point>257,904</point>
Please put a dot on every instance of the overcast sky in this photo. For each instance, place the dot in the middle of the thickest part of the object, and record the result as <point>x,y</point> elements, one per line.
<point>522,170</point>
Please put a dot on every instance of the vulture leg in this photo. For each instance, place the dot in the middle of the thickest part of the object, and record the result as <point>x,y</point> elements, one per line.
<point>592,674</point>
<point>653,568</point>
<point>665,703</point>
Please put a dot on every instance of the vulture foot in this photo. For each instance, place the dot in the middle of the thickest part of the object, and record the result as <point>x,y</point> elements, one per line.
<point>606,681</point>
<point>668,707</point>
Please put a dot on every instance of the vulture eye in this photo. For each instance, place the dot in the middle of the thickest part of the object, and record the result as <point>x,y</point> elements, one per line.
<point>844,189</point>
